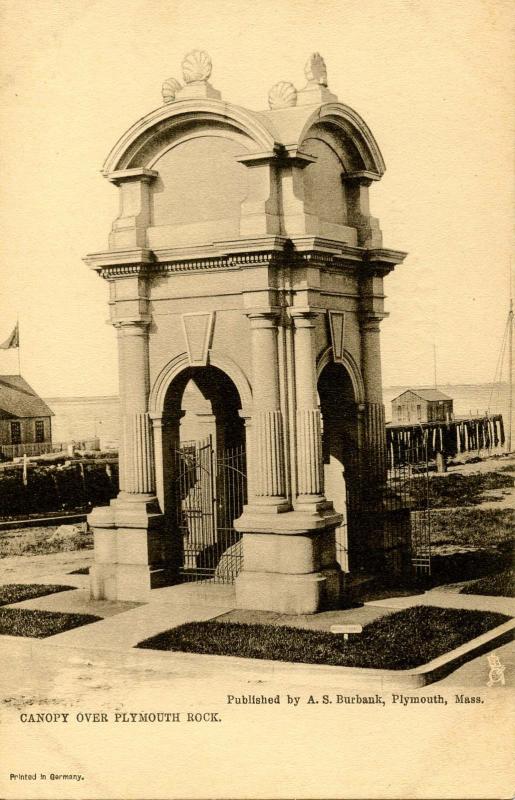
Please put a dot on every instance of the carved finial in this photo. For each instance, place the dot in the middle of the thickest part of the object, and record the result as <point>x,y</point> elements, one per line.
<point>282,95</point>
<point>196,66</point>
<point>315,70</point>
<point>170,89</point>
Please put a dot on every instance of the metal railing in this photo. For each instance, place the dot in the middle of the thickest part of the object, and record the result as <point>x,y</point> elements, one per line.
<point>41,448</point>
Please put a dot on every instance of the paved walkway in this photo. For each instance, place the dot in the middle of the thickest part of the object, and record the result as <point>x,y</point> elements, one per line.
<point>472,602</point>
<point>53,568</point>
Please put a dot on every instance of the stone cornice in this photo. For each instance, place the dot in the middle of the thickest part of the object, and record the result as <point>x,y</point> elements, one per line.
<point>111,259</point>
<point>244,253</point>
<point>136,174</point>
<point>384,257</point>
<point>362,176</point>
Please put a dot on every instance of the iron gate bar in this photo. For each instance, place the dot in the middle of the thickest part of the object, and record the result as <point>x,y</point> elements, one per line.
<point>210,493</point>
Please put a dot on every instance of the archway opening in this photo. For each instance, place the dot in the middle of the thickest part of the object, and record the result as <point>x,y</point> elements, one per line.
<point>204,473</point>
<point>341,456</point>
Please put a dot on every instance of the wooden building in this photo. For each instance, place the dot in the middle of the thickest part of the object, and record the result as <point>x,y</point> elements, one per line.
<point>25,419</point>
<point>421,405</point>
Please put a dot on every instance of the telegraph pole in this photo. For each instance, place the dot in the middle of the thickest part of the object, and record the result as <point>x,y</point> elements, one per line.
<point>510,374</point>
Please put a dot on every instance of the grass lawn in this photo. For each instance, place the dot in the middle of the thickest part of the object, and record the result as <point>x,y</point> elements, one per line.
<point>473,526</point>
<point>40,624</point>
<point>469,543</point>
<point>37,542</point>
<point>500,585</point>
<point>16,592</point>
<point>456,489</point>
<point>401,640</point>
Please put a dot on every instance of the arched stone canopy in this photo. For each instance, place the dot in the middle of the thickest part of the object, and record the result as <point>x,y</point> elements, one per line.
<point>244,243</point>
<point>140,144</point>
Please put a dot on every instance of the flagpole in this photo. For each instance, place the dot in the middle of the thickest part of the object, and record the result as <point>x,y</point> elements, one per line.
<point>19,354</point>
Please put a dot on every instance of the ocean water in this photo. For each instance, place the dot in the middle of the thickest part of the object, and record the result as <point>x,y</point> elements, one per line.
<point>78,418</point>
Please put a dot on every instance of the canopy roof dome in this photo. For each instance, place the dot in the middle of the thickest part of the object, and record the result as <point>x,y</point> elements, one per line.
<point>293,117</point>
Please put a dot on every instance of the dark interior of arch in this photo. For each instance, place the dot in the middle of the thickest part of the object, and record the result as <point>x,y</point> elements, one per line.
<point>221,399</point>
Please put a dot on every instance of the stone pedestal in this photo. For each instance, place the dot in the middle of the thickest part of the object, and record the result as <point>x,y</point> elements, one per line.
<point>131,555</point>
<point>289,564</point>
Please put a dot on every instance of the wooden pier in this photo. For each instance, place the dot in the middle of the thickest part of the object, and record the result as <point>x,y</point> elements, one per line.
<point>414,442</point>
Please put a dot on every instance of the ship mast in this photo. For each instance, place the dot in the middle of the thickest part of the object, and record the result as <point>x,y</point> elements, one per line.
<point>510,374</point>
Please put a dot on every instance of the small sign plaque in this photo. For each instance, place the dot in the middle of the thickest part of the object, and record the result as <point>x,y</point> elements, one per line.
<point>346,629</point>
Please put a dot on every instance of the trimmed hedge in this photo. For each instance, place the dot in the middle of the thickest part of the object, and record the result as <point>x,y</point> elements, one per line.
<point>79,485</point>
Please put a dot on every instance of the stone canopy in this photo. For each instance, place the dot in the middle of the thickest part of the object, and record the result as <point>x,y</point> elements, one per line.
<point>244,255</point>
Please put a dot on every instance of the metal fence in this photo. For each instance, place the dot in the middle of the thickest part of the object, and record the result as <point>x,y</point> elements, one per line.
<point>386,527</point>
<point>209,491</point>
<point>10,451</point>
<point>387,521</point>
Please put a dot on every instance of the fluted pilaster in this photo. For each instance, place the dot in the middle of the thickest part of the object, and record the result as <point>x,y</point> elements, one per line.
<point>310,472</point>
<point>137,474</point>
<point>140,450</point>
<point>267,466</point>
<point>309,452</point>
<point>374,417</point>
<point>269,446</point>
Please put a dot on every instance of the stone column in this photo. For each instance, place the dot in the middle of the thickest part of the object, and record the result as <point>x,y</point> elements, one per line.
<point>267,465</point>
<point>157,423</point>
<point>375,434</point>
<point>130,228</point>
<point>131,552</point>
<point>310,470</point>
<point>371,550</point>
<point>137,441</point>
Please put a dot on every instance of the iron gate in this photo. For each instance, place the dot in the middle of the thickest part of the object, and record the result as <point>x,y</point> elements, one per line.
<point>408,499</point>
<point>387,524</point>
<point>209,491</point>
<point>386,527</point>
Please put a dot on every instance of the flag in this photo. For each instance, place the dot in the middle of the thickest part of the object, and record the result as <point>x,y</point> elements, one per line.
<point>13,340</point>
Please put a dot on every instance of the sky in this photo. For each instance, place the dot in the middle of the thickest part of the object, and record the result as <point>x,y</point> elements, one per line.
<point>432,78</point>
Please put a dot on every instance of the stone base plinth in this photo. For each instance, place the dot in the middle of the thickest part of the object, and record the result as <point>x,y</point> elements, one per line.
<point>286,593</point>
<point>131,550</point>
<point>292,569</point>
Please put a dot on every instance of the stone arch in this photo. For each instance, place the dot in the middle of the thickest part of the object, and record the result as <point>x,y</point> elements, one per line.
<point>347,361</point>
<point>181,363</point>
<point>159,127</point>
<point>350,134</point>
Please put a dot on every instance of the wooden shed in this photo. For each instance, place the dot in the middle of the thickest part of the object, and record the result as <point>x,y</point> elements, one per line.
<point>421,405</point>
<point>25,419</point>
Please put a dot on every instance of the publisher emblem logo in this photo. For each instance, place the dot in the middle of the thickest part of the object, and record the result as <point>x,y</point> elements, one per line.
<point>496,675</point>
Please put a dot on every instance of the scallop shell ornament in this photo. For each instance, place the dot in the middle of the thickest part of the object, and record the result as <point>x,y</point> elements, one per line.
<point>282,95</point>
<point>196,66</point>
<point>170,89</point>
<point>316,70</point>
